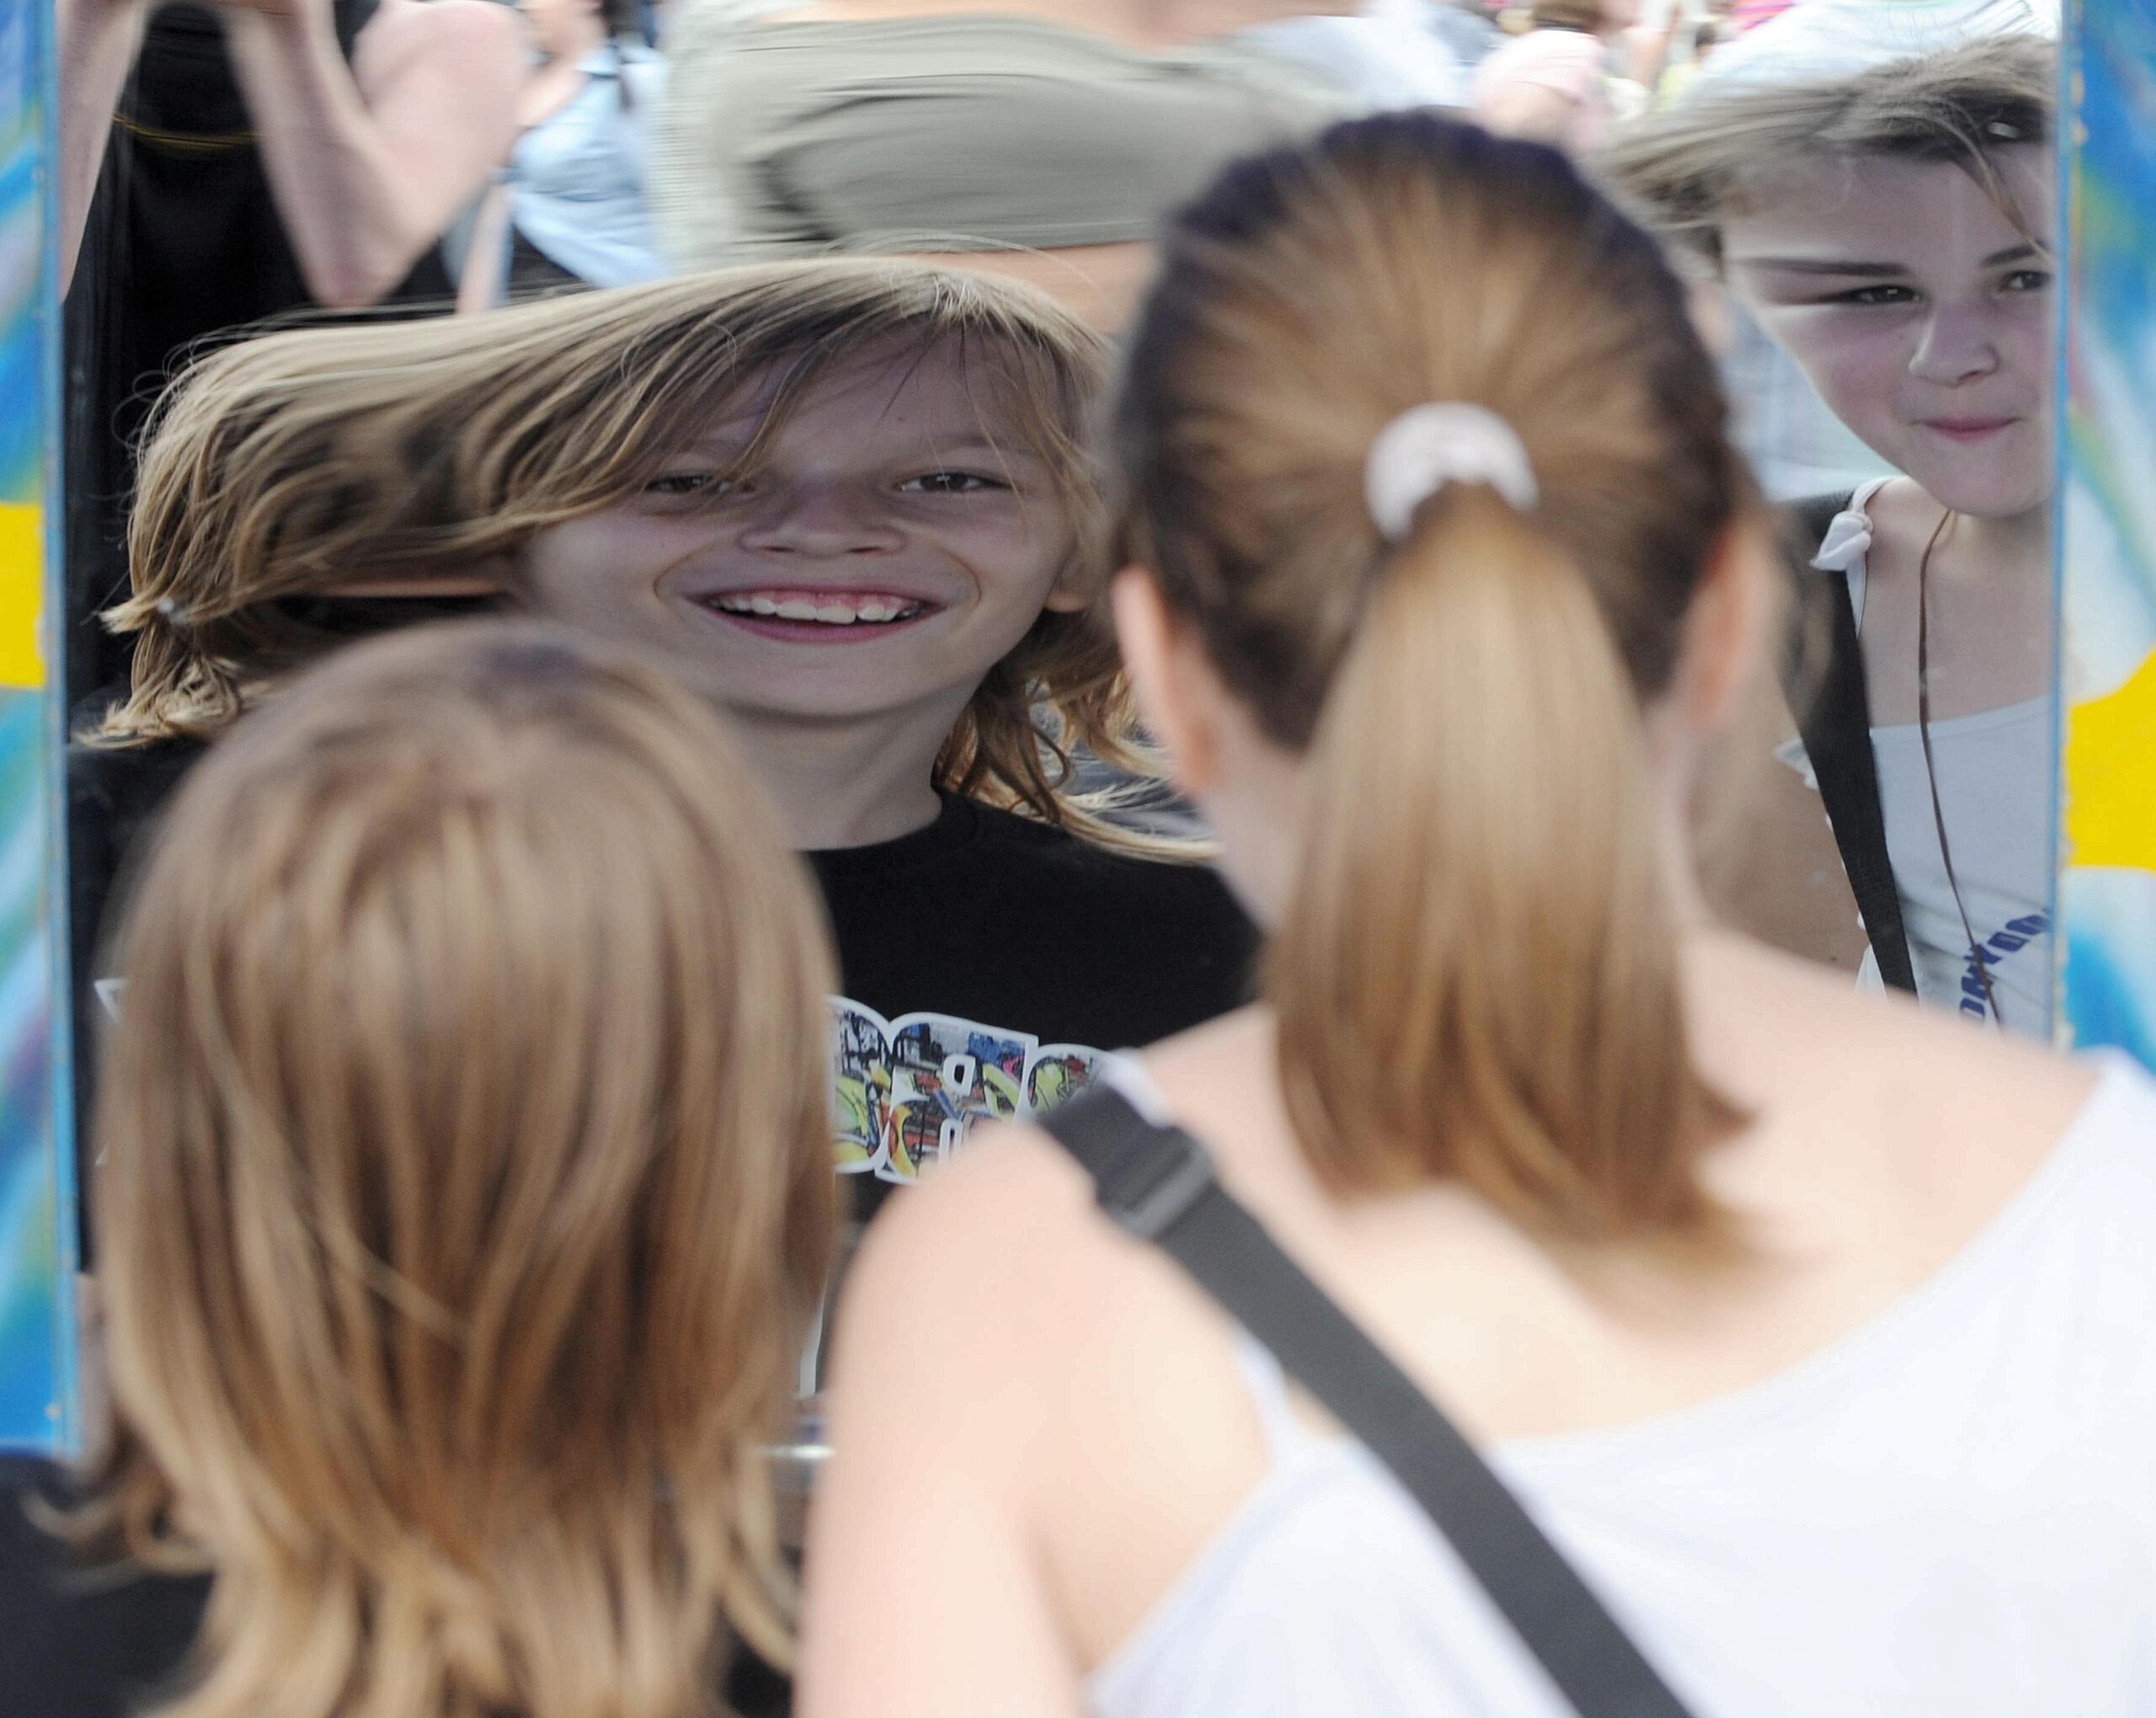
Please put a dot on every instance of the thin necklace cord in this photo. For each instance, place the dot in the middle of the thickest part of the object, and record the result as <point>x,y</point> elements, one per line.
<point>1931,768</point>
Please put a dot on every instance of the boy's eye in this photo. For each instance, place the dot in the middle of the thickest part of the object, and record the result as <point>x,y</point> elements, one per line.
<point>950,483</point>
<point>1875,296</point>
<point>689,483</point>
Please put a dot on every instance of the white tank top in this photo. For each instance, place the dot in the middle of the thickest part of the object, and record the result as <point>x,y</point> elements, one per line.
<point>1995,794</point>
<point>1949,1512</point>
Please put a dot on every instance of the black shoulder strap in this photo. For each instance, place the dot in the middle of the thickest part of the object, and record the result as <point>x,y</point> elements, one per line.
<point>1157,1183</point>
<point>1833,713</point>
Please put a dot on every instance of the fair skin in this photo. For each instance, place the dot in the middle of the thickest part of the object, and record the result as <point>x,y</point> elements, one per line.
<point>845,601</point>
<point>1923,317</point>
<point>1764,850</point>
<point>368,163</point>
<point>1070,1482</point>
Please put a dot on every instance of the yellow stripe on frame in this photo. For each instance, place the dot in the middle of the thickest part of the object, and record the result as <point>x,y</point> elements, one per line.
<point>22,594</point>
<point>2111,776</point>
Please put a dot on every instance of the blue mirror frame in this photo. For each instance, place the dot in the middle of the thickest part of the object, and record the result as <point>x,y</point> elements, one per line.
<point>37,1154</point>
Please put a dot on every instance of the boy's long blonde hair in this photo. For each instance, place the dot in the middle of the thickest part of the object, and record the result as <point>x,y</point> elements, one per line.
<point>301,461</point>
<point>1477,973</point>
<point>466,1191</point>
<point>1719,153</point>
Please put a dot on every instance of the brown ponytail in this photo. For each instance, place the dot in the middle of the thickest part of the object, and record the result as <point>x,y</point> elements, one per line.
<point>1478,975</point>
<point>1479,936</point>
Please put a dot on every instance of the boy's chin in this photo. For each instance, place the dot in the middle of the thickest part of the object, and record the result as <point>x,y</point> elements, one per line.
<point>810,706</point>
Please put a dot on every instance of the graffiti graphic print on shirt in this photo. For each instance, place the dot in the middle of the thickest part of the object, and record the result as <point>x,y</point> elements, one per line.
<point>909,1089</point>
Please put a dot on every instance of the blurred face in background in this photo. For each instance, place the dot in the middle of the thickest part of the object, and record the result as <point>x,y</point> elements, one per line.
<point>1921,311</point>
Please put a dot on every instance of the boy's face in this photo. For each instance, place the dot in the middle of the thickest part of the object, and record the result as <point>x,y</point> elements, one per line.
<point>1920,312</point>
<point>885,556</point>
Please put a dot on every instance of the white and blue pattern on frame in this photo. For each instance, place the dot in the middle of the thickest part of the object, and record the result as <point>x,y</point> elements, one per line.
<point>2107,885</point>
<point>37,1223</point>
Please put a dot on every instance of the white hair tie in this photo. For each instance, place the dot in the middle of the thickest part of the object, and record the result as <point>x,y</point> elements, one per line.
<point>1446,442</point>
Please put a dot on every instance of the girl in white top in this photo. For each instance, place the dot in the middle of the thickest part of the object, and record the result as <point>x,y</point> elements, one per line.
<point>1893,232</point>
<point>1995,771</point>
<point>1812,1329</point>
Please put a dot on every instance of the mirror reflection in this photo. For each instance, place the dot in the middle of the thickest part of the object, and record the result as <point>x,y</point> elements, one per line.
<point>770,352</point>
<point>1891,233</point>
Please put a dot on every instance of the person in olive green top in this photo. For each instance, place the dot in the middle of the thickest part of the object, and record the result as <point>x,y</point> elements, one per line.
<point>1043,138</point>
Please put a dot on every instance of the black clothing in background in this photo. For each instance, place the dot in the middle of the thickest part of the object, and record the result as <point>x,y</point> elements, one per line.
<point>114,794</point>
<point>1021,942</point>
<point>114,798</point>
<point>183,240</point>
<point>78,1642</point>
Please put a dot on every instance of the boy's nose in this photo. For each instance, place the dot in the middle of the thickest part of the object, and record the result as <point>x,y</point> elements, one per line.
<point>822,521</point>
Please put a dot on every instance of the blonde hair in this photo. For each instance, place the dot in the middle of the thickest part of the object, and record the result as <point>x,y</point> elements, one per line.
<point>465,1191</point>
<point>1723,152</point>
<point>290,464</point>
<point>1476,975</point>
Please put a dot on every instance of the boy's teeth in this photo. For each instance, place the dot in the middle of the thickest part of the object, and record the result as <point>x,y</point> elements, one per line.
<point>830,614</point>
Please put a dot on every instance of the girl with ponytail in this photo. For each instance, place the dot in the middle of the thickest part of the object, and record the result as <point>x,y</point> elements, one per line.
<point>1441,575</point>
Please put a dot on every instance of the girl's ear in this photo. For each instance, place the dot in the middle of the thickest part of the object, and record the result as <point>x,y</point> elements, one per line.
<point>1736,602</point>
<point>1171,679</point>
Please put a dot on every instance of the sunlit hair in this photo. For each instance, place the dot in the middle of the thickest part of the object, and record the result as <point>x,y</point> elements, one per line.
<point>466,1190</point>
<point>1476,976</point>
<point>278,468</point>
<point>1725,152</point>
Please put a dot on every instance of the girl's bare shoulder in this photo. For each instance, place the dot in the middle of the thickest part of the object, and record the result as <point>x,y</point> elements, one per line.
<point>1951,1116</point>
<point>1903,520</point>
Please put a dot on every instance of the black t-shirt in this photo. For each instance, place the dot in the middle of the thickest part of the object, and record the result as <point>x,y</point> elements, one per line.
<point>988,961</point>
<point>114,800</point>
<point>79,1642</point>
<point>115,794</point>
<point>115,797</point>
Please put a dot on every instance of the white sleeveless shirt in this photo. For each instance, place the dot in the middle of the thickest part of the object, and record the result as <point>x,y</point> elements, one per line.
<point>1949,1512</point>
<point>1996,770</point>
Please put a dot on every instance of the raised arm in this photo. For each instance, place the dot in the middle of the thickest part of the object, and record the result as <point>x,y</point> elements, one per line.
<point>96,41</point>
<point>370,164</point>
